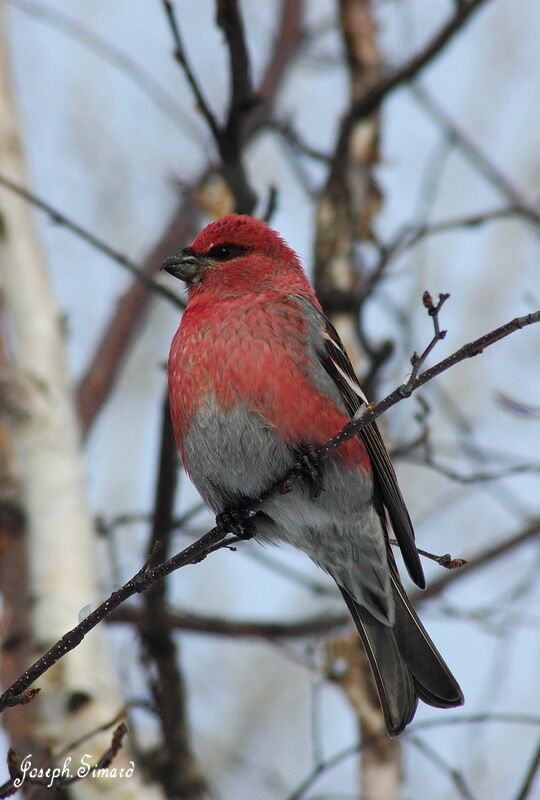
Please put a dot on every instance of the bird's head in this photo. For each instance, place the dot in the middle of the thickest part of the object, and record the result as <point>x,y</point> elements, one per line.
<point>234,255</point>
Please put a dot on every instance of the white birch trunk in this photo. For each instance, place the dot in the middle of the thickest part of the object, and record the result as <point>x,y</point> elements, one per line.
<point>61,538</point>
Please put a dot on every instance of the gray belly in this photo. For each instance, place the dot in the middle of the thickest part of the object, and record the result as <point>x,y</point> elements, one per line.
<point>234,456</point>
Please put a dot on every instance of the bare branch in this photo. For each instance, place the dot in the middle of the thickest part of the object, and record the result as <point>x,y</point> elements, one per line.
<point>242,98</point>
<point>475,155</point>
<point>181,58</point>
<point>176,768</point>
<point>140,78</point>
<point>526,787</point>
<point>18,778</point>
<point>59,218</point>
<point>455,775</point>
<point>418,361</point>
<point>318,625</point>
<point>401,75</point>
<point>475,561</point>
<point>217,537</point>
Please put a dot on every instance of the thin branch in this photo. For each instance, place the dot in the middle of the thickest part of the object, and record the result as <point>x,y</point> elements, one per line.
<point>463,719</point>
<point>125,322</point>
<point>478,560</point>
<point>228,139</point>
<point>139,77</point>
<point>371,101</point>
<point>455,775</point>
<point>217,537</point>
<point>418,361</point>
<point>410,235</point>
<point>473,477</point>
<point>526,787</point>
<point>53,775</point>
<point>475,155</point>
<point>182,60</point>
<point>319,625</point>
<point>445,560</point>
<point>286,41</point>
<point>290,135</point>
<point>59,218</point>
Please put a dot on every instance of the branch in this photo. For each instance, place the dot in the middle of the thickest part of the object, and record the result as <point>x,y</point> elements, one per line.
<point>175,767</point>
<point>490,171</point>
<point>318,625</point>
<point>406,72</point>
<point>478,560</point>
<point>286,41</point>
<point>140,78</point>
<point>217,537</point>
<point>524,790</point>
<point>127,319</point>
<point>59,218</point>
<point>115,343</point>
<point>242,97</point>
<point>454,774</point>
<point>227,139</point>
<point>410,235</point>
<point>53,779</point>
<point>372,741</point>
<point>181,58</point>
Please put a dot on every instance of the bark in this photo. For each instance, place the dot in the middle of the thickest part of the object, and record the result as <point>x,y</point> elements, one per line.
<point>80,693</point>
<point>345,214</point>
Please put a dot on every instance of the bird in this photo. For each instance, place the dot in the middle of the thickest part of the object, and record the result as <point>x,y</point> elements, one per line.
<point>258,380</point>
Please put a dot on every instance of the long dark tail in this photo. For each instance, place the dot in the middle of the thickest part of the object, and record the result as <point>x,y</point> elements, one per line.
<point>405,663</point>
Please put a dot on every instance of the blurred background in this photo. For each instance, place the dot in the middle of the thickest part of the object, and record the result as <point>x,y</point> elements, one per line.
<point>434,186</point>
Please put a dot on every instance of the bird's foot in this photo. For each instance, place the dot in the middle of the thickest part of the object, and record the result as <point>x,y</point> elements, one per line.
<point>238,522</point>
<point>310,466</point>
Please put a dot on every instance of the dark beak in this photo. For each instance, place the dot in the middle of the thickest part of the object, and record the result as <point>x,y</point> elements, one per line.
<point>184,265</point>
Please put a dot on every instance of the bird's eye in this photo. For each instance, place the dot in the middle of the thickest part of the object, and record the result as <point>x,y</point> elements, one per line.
<point>224,252</point>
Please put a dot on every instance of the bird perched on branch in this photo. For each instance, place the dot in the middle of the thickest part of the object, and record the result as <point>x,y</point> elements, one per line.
<point>258,380</point>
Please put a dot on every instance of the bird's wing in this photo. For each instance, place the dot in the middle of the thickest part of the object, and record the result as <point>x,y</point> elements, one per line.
<point>337,364</point>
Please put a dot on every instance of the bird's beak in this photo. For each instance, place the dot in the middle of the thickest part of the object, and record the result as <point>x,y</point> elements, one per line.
<point>184,264</point>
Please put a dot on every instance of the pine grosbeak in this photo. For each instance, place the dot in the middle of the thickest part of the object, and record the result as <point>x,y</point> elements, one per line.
<point>258,378</point>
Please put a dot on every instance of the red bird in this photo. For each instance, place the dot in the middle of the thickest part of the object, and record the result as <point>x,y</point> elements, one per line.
<point>258,378</point>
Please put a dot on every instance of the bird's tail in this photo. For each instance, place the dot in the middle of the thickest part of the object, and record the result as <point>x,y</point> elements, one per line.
<point>405,663</point>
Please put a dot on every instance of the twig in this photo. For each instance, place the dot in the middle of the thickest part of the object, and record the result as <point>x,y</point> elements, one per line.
<point>405,73</point>
<point>127,319</point>
<point>455,775</point>
<point>418,361</point>
<point>410,235</point>
<point>217,537</point>
<point>140,78</point>
<point>228,138</point>
<point>318,625</point>
<point>478,560</point>
<point>291,136</point>
<point>53,779</point>
<point>475,155</point>
<point>526,787</point>
<point>60,218</point>
<point>181,58</point>
<point>473,477</point>
<point>463,719</point>
<point>445,560</point>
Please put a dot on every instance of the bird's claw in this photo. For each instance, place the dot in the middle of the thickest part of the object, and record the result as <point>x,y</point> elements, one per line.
<point>238,522</point>
<point>310,467</point>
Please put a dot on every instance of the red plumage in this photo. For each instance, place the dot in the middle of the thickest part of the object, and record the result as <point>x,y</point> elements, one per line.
<point>257,378</point>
